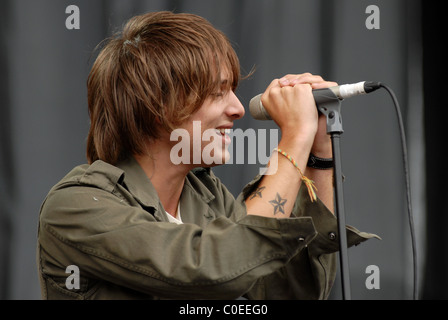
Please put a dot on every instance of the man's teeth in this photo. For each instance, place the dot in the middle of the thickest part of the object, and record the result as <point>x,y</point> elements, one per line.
<point>223,131</point>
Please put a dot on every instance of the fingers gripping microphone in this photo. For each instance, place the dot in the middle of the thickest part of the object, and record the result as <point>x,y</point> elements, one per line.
<point>321,96</point>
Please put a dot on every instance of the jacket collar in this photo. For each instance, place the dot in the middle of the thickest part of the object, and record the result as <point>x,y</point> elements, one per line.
<point>138,183</point>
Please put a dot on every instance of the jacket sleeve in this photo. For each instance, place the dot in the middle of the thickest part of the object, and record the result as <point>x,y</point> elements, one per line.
<point>310,274</point>
<point>110,240</point>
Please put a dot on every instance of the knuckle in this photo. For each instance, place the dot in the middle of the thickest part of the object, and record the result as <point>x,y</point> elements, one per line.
<point>271,95</point>
<point>274,91</point>
<point>303,87</point>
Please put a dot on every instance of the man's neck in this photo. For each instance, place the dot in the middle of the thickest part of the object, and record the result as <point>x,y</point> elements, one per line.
<point>167,178</point>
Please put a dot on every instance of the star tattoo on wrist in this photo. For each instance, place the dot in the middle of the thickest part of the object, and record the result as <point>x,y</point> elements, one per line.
<point>279,204</point>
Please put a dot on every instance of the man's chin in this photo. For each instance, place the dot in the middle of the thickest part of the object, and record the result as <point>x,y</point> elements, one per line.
<point>213,162</point>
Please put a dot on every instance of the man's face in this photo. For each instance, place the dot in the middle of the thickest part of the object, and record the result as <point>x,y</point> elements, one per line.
<point>208,128</point>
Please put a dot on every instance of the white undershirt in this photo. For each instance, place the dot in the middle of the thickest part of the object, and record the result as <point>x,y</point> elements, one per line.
<point>178,218</point>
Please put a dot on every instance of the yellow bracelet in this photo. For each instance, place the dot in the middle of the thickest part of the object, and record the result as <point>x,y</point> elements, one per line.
<point>309,183</point>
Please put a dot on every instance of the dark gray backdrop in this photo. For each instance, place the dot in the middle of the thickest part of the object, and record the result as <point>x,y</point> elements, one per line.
<point>44,120</point>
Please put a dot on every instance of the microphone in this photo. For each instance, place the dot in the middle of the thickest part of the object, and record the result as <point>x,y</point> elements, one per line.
<point>321,96</point>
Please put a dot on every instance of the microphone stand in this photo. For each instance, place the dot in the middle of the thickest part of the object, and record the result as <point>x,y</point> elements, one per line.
<point>331,108</point>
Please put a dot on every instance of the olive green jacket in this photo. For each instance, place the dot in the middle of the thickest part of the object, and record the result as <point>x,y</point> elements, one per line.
<point>108,222</point>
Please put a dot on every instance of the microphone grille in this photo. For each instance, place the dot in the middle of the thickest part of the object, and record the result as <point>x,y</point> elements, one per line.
<point>257,110</point>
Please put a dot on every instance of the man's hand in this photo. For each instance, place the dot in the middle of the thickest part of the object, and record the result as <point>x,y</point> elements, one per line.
<point>290,103</point>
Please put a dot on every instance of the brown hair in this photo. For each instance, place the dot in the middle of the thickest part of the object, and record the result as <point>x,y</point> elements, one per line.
<point>151,77</point>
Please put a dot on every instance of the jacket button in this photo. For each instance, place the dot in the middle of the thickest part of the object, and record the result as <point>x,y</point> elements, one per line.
<point>332,235</point>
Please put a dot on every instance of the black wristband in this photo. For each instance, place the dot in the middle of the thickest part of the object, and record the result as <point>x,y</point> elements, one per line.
<point>319,163</point>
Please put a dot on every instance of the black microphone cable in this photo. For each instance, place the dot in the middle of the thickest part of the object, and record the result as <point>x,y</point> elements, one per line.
<point>408,185</point>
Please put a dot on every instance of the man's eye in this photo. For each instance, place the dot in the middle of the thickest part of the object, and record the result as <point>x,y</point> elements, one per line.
<point>220,93</point>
